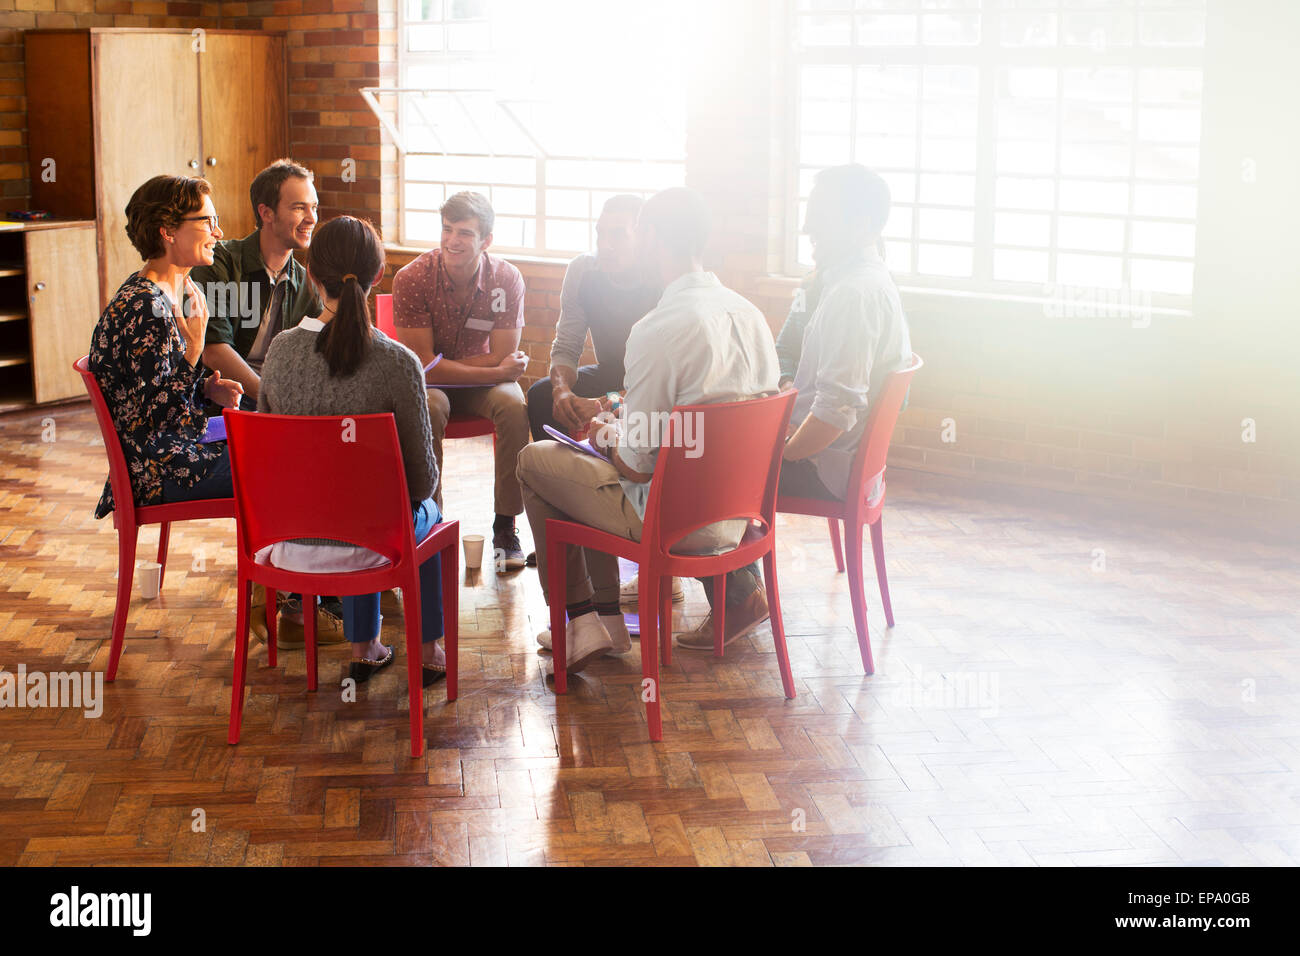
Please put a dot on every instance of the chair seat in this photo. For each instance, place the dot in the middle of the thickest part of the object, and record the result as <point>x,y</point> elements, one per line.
<point>468,426</point>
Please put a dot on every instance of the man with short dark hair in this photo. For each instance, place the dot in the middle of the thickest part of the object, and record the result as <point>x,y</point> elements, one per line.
<point>254,287</point>
<point>464,308</point>
<point>837,351</point>
<point>702,343</point>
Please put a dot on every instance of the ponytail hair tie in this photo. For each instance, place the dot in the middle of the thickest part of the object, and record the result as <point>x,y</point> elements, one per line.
<point>350,275</point>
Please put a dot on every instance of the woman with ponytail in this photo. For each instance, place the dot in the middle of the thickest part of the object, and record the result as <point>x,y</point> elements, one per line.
<point>340,364</point>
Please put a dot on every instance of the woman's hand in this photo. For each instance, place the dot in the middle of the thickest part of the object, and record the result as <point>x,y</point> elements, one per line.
<point>193,327</point>
<point>225,392</point>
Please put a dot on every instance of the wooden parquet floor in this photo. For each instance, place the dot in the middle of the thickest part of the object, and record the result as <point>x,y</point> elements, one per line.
<point>1038,703</point>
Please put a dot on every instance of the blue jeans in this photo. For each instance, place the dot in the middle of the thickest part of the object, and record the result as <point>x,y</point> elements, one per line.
<point>361,612</point>
<point>215,484</point>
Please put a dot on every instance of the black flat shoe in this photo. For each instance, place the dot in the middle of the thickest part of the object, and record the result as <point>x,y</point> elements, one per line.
<point>433,674</point>
<point>362,670</point>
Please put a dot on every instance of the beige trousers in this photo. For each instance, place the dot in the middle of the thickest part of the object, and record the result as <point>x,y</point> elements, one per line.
<point>504,405</point>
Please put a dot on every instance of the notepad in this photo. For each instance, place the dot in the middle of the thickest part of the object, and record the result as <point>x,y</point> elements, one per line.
<point>216,430</point>
<point>583,446</point>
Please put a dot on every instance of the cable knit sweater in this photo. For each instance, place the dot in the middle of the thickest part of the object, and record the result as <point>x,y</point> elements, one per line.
<point>296,381</point>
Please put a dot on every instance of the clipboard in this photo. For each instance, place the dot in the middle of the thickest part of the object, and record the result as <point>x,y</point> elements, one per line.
<point>583,446</point>
<point>216,430</point>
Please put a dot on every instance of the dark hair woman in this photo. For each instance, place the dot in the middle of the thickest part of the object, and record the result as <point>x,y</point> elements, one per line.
<point>340,364</point>
<point>145,350</point>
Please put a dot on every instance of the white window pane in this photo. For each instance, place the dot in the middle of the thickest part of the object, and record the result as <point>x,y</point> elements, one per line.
<point>1101,235</point>
<point>508,200</point>
<point>899,224</point>
<point>1018,265</point>
<point>1089,123</point>
<point>1084,196</point>
<point>956,154</point>
<point>1015,193</point>
<point>902,186</point>
<point>1104,272</point>
<point>1154,275</point>
<point>825,30</point>
<point>1169,86</point>
<point>887,30</point>
<point>948,224</point>
<point>886,151</point>
<point>424,9</point>
<point>944,261</point>
<point>824,150</point>
<point>570,202</point>
<point>951,29</point>
<point>1095,159</point>
<point>1106,86</point>
<point>1026,156</point>
<point>1163,125</point>
<point>826,82</point>
<point>891,119</point>
<point>424,196</point>
<point>886,84</point>
<point>1022,229</point>
<point>508,232</point>
<point>1028,29</point>
<point>1028,83</point>
<point>946,83</point>
<point>822,116</point>
<point>469,37</point>
<point>1164,238</point>
<point>1184,28</point>
<point>1175,202</point>
<point>1098,30</point>
<point>423,226</point>
<point>805,250</point>
<point>1167,162</point>
<point>947,190</point>
<point>954,118</point>
<point>424,39</point>
<point>565,236</point>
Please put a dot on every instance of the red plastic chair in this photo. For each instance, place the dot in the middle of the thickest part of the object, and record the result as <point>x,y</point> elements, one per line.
<point>365,502</point>
<point>128,516</point>
<point>458,426</point>
<point>868,463</point>
<point>735,477</point>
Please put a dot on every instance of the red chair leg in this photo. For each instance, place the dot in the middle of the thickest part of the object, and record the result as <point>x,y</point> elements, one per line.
<point>414,668</point>
<point>719,613</point>
<point>126,538</point>
<point>309,630</point>
<point>834,524</point>
<point>778,625</point>
<point>651,692</point>
<point>555,570</point>
<point>451,616</point>
<point>164,534</point>
<point>878,549</point>
<point>857,597</point>
<point>272,613</point>
<point>666,616</point>
<point>242,601</point>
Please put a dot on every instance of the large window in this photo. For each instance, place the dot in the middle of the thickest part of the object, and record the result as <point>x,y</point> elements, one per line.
<point>1028,144</point>
<point>547,108</point>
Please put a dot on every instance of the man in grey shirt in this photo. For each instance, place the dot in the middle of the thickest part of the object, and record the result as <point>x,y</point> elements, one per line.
<point>855,336</point>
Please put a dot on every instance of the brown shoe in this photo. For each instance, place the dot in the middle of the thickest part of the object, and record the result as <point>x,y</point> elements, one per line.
<point>290,635</point>
<point>740,621</point>
<point>257,614</point>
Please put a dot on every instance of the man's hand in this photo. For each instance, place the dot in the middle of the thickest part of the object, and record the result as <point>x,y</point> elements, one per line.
<point>786,384</point>
<point>225,392</point>
<point>513,365</point>
<point>572,411</point>
<point>604,432</point>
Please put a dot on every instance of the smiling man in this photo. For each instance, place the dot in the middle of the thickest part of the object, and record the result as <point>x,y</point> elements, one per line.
<point>254,287</point>
<point>466,306</point>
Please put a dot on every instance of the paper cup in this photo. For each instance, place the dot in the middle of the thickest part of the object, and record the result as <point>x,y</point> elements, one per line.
<point>473,544</point>
<point>150,575</point>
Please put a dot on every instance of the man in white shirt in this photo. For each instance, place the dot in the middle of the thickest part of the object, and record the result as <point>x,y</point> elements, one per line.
<point>703,343</point>
<point>855,337</point>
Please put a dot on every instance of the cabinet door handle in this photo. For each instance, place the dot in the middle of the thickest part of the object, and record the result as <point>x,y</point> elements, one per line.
<point>212,160</point>
<point>194,164</point>
<point>40,287</point>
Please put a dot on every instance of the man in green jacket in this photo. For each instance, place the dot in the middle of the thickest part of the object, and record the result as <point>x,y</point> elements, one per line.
<point>256,289</point>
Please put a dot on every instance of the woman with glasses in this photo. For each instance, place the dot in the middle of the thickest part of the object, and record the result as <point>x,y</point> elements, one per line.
<point>146,350</point>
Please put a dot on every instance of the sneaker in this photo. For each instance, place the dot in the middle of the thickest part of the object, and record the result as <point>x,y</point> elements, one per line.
<point>615,627</point>
<point>290,635</point>
<point>587,640</point>
<point>628,594</point>
<point>505,546</point>
<point>740,621</point>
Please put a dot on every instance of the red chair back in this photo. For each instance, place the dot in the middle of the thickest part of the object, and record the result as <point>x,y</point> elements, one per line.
<point>725,464</point>
<point>874,447</point>
<point>384,316</point>
<point>328,476</point>
<point>118,475</point>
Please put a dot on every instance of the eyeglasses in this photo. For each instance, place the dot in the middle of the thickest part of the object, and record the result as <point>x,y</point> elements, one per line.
<point>212,221</point>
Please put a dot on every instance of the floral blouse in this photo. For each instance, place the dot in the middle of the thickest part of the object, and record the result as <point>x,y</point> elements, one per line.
<point>155,397</point>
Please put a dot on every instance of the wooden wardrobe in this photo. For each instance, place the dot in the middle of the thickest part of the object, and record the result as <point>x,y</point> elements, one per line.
<point>112,107</point>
